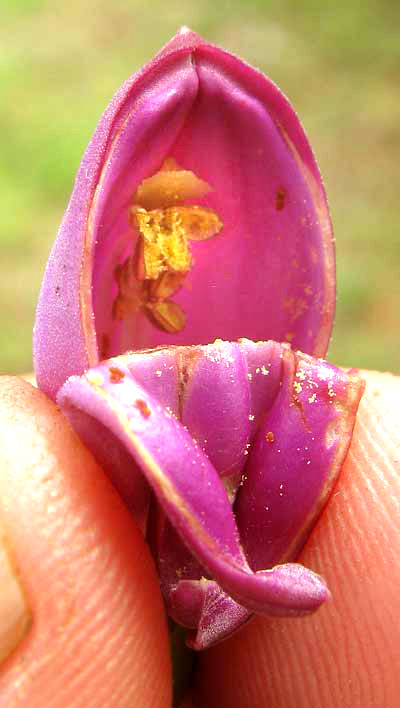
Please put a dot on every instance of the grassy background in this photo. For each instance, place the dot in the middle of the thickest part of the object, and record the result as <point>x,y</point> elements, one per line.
<point>338,62</point>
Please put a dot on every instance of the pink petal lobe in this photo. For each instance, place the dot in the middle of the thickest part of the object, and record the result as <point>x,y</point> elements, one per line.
<point>296,457</point>
<point>218,616</point>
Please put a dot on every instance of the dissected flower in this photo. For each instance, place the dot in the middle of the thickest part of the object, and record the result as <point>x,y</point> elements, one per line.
<point>199,215</point>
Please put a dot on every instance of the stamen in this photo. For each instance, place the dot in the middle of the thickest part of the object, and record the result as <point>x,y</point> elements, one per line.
<point>198,223</point>
<point>166,285</point>
<point>170,186</point>
<point>164,242</point>
<point>166,315</point>
<point>162,257</point>
<point>132,293</point>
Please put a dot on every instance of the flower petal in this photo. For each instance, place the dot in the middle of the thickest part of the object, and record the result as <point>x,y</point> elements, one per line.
<point>218,616</point>
<point>215,406</point>
<point>189,490</point>
<point>192,599</point>
<point>296,456</point>
<point>268,273</point>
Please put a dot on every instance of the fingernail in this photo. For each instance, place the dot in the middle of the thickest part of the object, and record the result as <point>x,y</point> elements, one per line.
<point>15,615</point>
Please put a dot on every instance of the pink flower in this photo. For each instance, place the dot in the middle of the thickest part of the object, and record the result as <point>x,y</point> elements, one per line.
<point>198,214</point>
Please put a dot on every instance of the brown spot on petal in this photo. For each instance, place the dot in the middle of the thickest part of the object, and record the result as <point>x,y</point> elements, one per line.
<point>270,436</point>
<point>143,408</point>
<point>296,307</point>
<point>116,375</point>
<point>280,199</point>
<point>105,346</point>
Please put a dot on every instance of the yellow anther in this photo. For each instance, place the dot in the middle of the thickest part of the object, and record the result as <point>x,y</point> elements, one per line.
<point>162,257</point>
<point>167,315</point>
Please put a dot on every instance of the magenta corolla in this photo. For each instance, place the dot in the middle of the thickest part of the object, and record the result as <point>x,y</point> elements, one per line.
<point>197,238</point>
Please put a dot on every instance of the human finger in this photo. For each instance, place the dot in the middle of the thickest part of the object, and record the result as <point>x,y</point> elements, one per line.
<point>85,624</point>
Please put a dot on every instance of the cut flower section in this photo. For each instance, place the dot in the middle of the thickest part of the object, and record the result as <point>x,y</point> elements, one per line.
<point>198,212</point>
<point>241,444</point>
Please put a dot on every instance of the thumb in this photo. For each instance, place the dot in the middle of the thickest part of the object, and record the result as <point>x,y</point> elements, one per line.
<point>347,654</point>
<point>81,617</point>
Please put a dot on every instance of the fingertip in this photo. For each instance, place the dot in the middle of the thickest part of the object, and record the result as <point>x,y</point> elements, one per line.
<point>98,633</point>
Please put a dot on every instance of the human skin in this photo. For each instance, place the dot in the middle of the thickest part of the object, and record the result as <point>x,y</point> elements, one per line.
<point>98,635</point>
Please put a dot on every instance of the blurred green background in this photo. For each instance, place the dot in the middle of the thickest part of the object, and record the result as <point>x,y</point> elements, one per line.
<point>339,64</point>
